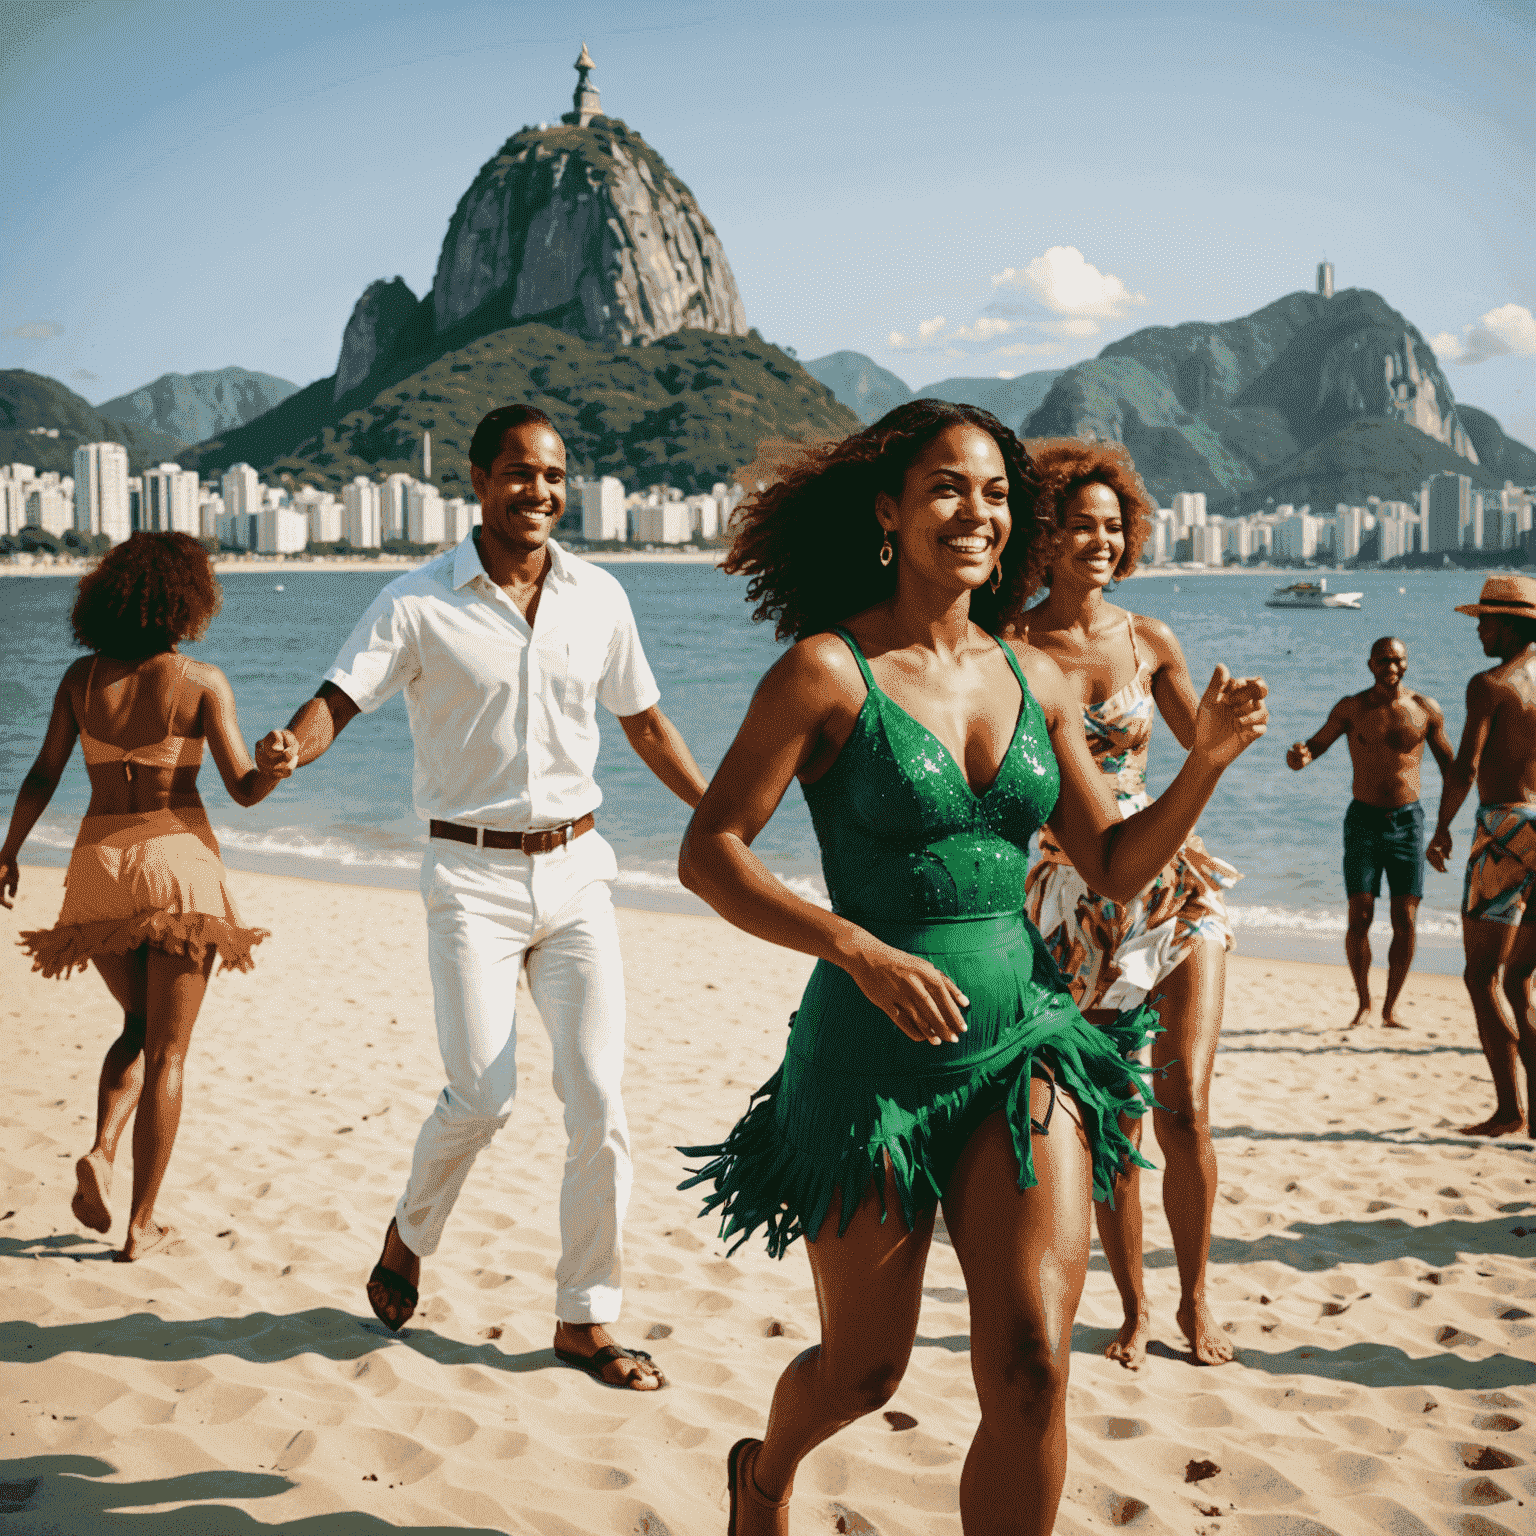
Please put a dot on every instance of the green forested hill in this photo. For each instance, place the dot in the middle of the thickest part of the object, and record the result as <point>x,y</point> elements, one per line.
<point>689,409</point>
<point>29,400</point>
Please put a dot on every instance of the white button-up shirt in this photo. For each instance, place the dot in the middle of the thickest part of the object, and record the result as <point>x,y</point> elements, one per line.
<point>503,715</point>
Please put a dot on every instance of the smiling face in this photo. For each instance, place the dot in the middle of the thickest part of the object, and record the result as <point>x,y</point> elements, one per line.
<point>952,520</point>
<point>1389,663</point>
<point>1093,538</point>
<point>522,494</point>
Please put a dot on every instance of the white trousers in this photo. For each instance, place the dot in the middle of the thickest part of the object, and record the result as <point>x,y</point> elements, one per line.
<point>488,911</point>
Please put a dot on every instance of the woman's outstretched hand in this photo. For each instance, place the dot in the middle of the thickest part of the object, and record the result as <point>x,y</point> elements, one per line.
<point>1232,717</point>
<point>918,998</point>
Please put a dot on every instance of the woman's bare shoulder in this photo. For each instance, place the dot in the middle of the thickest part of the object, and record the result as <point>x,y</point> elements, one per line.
<point>1156,637</point>
<point>1046,680</point>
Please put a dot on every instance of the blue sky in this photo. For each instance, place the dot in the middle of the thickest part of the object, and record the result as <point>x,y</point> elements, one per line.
<point>958,189</point>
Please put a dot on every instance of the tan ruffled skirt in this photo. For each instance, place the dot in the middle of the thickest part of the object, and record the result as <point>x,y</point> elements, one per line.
<point>154,878</point>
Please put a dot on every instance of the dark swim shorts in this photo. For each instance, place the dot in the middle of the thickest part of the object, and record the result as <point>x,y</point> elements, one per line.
<point>1377,840</point>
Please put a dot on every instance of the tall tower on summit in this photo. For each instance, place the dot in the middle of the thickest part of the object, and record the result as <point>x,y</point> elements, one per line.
<point>586,102</point>
<point>1324,271</point>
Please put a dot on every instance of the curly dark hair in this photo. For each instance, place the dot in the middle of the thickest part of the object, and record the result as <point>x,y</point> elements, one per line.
<point>810,542</point>
<point>1066,465</point>
<point>145,595</point>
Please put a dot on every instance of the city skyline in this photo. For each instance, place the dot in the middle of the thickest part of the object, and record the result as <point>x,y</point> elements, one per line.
<point>996,190</point>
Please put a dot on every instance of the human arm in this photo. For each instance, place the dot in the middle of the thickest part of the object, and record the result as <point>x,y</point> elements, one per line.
<point>247,783</point>
<point>316,724</point>
<point>38,786</point>
<point>660,746</point>
<point>1435,737</point>
<point>1120,858</point>
<point>1461,774</point>
<point>1336,725</point>
<point>1172,689</point>
<point>800,716</point>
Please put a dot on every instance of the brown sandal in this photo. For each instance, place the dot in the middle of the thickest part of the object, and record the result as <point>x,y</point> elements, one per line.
<point>738,1471</point>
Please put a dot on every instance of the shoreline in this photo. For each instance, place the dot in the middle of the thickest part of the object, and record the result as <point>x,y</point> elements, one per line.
<point>267,566</point>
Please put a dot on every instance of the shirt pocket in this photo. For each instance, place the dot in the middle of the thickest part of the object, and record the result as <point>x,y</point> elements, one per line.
<point>575,671</point>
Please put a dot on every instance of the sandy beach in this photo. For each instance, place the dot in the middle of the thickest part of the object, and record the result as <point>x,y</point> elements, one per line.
<point>1376,1270</point>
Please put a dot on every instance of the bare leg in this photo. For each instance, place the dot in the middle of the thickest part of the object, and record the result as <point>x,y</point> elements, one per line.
<point>1519,965</point>
<point>1405,917</point>
<point>117,1090</point>
<point>175,988</point>
<point>1120,1236</point>
<point>1357,950</point>
<point>1191,1008</point>
<point>868,1291</point>
<point>1024,1253</point>
<point>1487,945</point>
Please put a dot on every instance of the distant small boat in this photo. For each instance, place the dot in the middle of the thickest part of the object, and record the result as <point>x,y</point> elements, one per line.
<point>1311,594</point>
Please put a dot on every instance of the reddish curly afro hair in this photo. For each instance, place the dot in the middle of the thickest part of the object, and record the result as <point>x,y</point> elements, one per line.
<point>145,596</point>
<point>1065,466</point>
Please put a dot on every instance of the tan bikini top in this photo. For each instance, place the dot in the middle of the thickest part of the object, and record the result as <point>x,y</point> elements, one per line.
<point>171,751</point>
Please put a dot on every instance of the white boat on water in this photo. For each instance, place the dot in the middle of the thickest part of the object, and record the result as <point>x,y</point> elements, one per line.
<point>1311,594</point>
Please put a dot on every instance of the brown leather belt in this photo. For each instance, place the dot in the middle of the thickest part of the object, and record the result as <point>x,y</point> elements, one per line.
<point>545,840</point>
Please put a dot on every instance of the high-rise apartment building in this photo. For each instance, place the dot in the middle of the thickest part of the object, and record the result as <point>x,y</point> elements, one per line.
<point>459,518</point>
<point>602,509</point>
<point>424,514</point>
<point>1325,279</point>
<point>168,500</point>
<point>394,510</point>
<point>101,490</point>
<point>1189,510</point>
<point>1445,505</point>
<point>362,502</point>
<point>242,491</point>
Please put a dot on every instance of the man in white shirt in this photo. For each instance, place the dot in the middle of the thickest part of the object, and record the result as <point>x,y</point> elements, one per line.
<point>504,647</point>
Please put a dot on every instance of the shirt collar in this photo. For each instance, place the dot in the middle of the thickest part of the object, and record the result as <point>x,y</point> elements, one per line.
<point>467,564</point>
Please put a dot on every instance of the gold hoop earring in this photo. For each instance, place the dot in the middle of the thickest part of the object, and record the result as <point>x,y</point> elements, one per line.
<point>887,554</point>
<point>997,576</point>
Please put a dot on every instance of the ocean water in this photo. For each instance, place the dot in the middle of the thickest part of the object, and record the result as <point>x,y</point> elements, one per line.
<point>349,817</point>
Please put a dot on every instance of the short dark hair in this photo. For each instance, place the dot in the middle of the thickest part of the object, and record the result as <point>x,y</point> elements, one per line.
<point>810,542</point>
<point>145,595</point>
<point>485,445</point>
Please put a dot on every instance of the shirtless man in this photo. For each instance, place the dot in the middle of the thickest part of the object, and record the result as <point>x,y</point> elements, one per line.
<point>1498,918</point>
<point>1388,728</point>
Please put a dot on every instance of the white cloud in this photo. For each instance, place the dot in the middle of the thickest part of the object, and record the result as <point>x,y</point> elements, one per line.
<point>927,333</point>
<point>41,330</point>
<point>1067,284</point>
<point>984,329</point>
<point>85,375</point>
<point>1509,329</point>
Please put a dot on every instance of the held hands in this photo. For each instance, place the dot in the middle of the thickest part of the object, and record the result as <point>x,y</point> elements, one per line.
<point>918,998</point>
<point>277,754</point>
<point>1232,717</point>
<point>1439,849</point>
<point>1299,756</point>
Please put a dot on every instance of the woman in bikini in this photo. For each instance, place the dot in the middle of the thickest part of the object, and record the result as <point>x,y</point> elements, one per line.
<point>1170,940</point>
<point>145,898</point>
<point>936,1057</point>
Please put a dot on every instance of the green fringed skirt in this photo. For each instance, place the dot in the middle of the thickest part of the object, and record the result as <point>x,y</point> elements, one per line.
<point>853,1090</point>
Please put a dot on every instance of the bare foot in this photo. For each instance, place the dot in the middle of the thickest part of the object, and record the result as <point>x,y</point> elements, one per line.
<point>1362,1013</point>
<point>1130,1346</point>
<point>1389,1022</point>
<point>1493,1126</point>
<point>588,1339</point>
<point>93,1175</point>
<point>1206,1341</point>
<point>144,1241</point>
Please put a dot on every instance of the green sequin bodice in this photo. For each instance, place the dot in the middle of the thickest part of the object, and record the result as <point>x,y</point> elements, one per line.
<point>903,835</point>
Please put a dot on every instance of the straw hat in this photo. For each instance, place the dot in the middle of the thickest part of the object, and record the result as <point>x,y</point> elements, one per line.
<point>1514,595</point>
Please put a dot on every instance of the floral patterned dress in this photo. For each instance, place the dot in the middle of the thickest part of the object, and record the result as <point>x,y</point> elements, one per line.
<point>1113,955</point>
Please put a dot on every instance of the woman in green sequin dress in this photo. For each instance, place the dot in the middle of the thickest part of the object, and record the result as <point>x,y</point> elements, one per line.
<point>937,1057</point>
